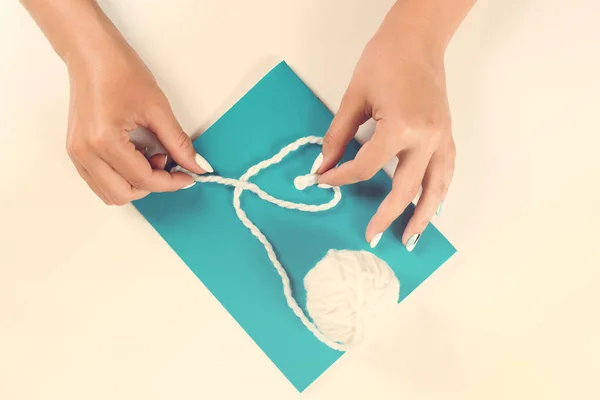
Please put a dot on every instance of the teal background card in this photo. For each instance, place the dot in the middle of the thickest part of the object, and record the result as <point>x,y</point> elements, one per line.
<point>201,226</point>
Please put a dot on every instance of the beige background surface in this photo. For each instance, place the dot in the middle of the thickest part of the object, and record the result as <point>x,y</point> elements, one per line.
<point>94,305</point>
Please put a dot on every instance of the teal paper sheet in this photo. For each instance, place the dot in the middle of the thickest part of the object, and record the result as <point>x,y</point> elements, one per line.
<point>201,226</point>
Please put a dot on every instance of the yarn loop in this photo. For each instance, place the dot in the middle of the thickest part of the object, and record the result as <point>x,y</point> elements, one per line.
<point>343,286</point>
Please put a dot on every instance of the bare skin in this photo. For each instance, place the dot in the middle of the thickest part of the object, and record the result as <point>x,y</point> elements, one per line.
<point>399,81</point>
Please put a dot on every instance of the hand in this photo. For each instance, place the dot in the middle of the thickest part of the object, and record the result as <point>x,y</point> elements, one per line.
<point>112,93</point>
<point>399,81</point>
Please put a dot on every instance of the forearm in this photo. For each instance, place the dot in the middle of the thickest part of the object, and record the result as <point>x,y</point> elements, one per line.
<point>76,29</point>
<point>434,21</point>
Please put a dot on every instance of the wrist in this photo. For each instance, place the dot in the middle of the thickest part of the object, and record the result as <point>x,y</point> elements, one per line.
<point>100,41</point>
<point>78,30</point>
<point>429,24</point>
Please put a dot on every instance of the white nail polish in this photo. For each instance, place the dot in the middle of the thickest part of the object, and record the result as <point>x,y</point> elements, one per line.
<point>317,164</point>
<point>412,241</point>
<point>324,186</point>
<point>189,186</point>
<point>439,209</point>
<point>375,240</point>
<point>201,161</point>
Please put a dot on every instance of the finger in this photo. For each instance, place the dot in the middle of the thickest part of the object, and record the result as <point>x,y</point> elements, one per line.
<point>178,144</point>
<point>371,158</point>
<point>142,149</point>
<point>405,187</point>
<point>90,181</point>
<point>435,187</point>
<point>137,171</point>
<point>350,116</point>
<point>158,161</point>
<point>119,191</point>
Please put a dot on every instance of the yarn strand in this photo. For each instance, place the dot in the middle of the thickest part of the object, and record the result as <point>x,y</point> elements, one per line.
<point>242,184</point>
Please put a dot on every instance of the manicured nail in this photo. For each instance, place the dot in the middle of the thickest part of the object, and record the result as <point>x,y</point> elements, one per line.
<point>324,186</point>
<point>201,161</point>
<point>412,241</point>
<point>189,186</point>
<point>317,164</point>
<point>439,209</point>
<point>375,240</point>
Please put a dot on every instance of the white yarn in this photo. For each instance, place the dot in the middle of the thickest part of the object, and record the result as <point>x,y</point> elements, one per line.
<point>347,290</point>
<point>343,287</point>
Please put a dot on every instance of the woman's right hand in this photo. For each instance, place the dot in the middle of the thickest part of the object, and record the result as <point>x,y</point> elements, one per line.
<point>112,93</point>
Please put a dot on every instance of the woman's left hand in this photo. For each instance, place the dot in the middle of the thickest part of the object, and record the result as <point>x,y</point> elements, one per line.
<point>400,82</point>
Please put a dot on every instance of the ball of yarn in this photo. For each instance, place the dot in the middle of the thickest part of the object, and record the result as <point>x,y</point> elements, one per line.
<point>346,291</point>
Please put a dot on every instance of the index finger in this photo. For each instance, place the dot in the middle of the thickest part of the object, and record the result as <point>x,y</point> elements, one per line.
<point>371,158</point>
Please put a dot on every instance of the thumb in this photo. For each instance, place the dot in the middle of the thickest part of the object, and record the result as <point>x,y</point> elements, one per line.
<point>177,143</point>
<point>350,116</point>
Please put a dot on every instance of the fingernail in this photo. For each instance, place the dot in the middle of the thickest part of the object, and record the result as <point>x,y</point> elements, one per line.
<point>412,241</point>
<point>201,161</point>
<point>166,160</point>
<point>439,209</point>
<point>324,186</point>
<point>317,164</point>
<point>375,240</point>
<point>189,186</point>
